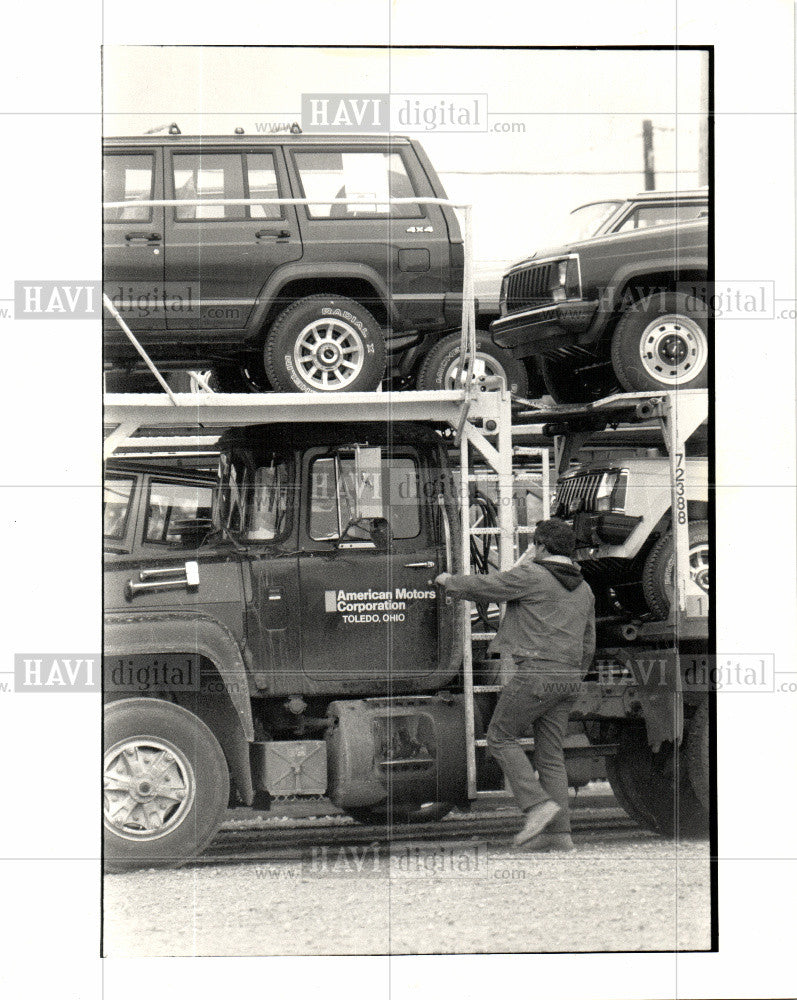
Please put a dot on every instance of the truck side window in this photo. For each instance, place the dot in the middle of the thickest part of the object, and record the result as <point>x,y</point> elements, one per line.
<point>334,502</point>
<point>115,507</point>
<point>367,179</point>
<point>170,505</point>
<point>267,503</point>
<point>128,177</point>
<point>208,175</point>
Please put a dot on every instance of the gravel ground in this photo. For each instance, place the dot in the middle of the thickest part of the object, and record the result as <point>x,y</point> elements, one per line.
<point>618,892</point>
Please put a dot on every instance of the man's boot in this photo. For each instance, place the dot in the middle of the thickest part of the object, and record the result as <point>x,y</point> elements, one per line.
<point>537,818</point>
<point>559,843</point>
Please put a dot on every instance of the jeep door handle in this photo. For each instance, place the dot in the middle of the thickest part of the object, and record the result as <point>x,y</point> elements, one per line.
<point>278,235</point>
<point>420,565</point>
<point>143,237</point>
<point>168,578</point>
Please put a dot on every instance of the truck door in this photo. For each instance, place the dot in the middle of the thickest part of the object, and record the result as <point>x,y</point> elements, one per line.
<point>407,246</point>
<point>133,239</point>
<point>222,255</point>
<point>368,604</point>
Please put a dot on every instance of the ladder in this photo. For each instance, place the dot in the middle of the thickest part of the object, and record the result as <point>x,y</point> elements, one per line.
<point>490,446</point>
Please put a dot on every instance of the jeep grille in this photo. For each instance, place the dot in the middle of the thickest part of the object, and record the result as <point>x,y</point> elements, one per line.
<point>577,493</point>
<point>530,287</point>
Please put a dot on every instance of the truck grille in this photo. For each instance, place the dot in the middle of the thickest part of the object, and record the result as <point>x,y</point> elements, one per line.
<point>577,493</point>
<point>530,287</point>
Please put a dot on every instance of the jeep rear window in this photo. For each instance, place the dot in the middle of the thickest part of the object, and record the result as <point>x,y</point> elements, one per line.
<point>366,179</point>
<point>334,503</point>
<point>170,506</point>
<point>128,177</point>
<point>115,507</point>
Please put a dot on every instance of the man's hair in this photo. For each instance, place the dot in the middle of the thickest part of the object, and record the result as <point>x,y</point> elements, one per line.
<point>557,537</point>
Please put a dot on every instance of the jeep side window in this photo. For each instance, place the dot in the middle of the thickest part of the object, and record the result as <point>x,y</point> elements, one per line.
<point>128,177</point>
<point>367,179</point>
<point>116,506</point>
<point>261,182</point>
<point>208,175</point>
<point>170,506</point>
<point>339,494</point>
<point>662,215</point>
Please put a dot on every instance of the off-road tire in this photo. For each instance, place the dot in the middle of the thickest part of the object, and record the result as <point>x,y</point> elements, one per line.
<point>435,371</point>
<point>636,334</point>
<point>289,340</point>
<point>658,569</point>
<point>148,722</point>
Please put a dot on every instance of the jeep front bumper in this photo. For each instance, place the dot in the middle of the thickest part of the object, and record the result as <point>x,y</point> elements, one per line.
<point>544,328</point>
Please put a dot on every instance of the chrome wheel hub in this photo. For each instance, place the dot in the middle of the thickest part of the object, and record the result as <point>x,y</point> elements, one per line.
<point>482,365</point>
<point>673,349</point>
<point>329,354</point>
<point>148,788</point>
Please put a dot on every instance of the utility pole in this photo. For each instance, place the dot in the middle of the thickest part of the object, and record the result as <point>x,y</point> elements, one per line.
<point>648,160</point>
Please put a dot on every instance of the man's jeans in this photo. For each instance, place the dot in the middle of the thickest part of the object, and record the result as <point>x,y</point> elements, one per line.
<point>537,701</point>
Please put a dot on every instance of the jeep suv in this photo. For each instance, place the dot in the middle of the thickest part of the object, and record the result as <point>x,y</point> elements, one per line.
<point>624,308</point>
<point>318,298</point>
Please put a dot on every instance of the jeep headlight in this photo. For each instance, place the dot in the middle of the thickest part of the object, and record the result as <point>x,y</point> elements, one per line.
<point>566,283</point>
<point>611,491</point>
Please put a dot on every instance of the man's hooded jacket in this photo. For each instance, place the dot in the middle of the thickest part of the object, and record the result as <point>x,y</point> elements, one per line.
<point>550,610</point>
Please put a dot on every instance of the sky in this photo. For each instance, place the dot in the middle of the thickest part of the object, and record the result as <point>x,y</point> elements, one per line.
<point>571,119</point>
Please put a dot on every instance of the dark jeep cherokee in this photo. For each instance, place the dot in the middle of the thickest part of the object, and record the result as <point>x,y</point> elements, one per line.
<point>323,297</point>
<point>622,309</point>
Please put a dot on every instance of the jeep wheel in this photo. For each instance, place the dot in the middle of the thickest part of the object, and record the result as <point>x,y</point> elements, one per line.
<point>569,382</point>
<point>325,344</point>
<point>441,366</point>
<point>400,814</point>
<point>165,784</point>
<point>657,573</point>
<point>661,342</point>
<point>654,788</point>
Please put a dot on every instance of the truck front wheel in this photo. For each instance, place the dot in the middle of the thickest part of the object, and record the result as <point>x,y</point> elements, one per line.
<point>441,366</point>
<point>165,784</point>
<point>325,343</point>
<point>661,342</point>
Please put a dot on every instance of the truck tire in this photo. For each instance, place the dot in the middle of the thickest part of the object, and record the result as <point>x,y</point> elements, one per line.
<point>440,368</point>
<point>565,383</point>
<point>654,788</point>
<point>696,754</point>
<point>166,784</point>
<point>401,814</point>
<point>661,342</point>
<point>657,573</point>
<point>325,343</point>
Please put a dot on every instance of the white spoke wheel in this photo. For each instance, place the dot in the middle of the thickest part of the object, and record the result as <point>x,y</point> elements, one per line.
<point>661,342</point>
<point>329,354</point>
<point>440,369</point>
<point>325,344</point>
<point>166,784</point>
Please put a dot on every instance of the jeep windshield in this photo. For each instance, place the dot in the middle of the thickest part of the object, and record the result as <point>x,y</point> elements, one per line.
<point>586,220</point>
